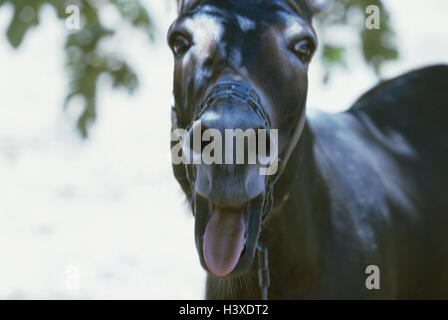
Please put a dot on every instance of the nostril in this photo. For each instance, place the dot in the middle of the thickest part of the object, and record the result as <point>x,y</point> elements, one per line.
<point>235,146</point>
<point>267,146</point>
<point>205,140</point>
<point>194,144</point>
<point>263,142</point>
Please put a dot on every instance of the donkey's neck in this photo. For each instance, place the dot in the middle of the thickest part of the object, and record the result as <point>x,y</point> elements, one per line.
<point>290,233</point>
<point>293,233</point>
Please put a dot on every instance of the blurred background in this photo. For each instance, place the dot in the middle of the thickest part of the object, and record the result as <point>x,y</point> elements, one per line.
<point>89,207</point>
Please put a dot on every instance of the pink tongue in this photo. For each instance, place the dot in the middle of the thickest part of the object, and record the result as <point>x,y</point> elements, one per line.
<point>224,240</point>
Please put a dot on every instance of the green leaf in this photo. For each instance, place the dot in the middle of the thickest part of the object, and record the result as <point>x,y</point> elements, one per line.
<point>85,62</point>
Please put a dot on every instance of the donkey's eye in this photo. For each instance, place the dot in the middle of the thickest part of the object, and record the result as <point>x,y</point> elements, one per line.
<point>303,49</point>
<point>180,44</point>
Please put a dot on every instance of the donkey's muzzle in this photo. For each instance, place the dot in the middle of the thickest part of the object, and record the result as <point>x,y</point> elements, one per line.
<point>234,140</point>
<point>228,143</point>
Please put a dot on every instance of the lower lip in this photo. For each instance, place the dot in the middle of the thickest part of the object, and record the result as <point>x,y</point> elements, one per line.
<point>252,219</point>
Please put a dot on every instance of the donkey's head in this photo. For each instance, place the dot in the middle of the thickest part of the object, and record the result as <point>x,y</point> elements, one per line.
<point>238,65</point>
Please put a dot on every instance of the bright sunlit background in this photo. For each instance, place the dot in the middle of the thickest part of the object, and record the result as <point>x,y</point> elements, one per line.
<point>104,217</point>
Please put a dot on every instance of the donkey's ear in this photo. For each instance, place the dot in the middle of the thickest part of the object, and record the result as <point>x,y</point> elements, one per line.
<point>308,8</point>
<point>183,5</point>
<point>318,6</point>
<point>179,6</point>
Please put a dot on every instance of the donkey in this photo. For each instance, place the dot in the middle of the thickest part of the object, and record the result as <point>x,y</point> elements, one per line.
<point>357,194</point>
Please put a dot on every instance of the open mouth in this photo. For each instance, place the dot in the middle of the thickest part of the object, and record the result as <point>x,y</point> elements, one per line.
<point>226,237</point>
<point>228,199</point>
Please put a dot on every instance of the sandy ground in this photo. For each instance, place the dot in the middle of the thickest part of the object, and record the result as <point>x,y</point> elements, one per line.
<point>104,218</point>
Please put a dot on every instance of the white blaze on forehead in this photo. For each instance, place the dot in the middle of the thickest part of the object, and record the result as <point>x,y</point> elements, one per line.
<point>245,23</point>
<point>206,31</point>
